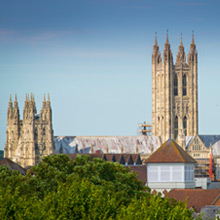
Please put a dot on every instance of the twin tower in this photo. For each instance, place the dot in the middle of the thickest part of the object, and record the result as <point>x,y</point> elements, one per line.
<point>28,140</point>
<point>174,93</point>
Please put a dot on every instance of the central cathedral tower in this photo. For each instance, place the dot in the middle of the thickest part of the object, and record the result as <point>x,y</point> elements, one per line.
<point>174,93</point>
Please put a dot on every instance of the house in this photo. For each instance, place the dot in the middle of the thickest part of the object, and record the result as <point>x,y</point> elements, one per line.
<point>201,200</point>
<point>141,171</point>
<point>12,165</point>
<point>170,167</point>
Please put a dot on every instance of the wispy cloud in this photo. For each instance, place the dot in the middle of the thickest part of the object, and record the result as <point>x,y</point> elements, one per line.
<point>83,53</point>
<point>6,34</point>
<point>36,37</point>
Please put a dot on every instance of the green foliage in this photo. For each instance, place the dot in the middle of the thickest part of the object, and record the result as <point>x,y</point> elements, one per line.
<point>58,188</point>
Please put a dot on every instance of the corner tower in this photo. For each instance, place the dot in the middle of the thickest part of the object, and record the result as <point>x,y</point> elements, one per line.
<point>174,93</point>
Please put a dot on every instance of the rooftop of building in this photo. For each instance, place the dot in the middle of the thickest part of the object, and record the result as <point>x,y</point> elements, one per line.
<point>170,152</point>
<point>196,198</point>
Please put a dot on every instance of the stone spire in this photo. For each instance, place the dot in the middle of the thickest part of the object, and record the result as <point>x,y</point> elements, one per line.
<point>181,57</point>
<point>48,100</point>
<point>26,107</point>
<point>156,57</point>
<point>193,38</point>
<point>192,56</point>
<point>167,40</point>
<point>155,44</point>
<point>32,104</point>
<point>16,101</point>
<point>16,110</point>
<point>192,45</point>
<point>10,102</point>
<point>156,47</point>
<point>26,100</point>
<point>44,101</point>
<point>167,54</point>
<point>10,108</point>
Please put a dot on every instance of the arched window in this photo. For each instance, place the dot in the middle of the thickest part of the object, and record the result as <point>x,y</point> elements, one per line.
<point>175,127</point>
<point>184,85</point>
<point>175,85</point>
<point>185,125</point>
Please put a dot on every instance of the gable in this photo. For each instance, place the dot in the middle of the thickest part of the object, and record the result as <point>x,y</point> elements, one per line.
<point>196,144</point>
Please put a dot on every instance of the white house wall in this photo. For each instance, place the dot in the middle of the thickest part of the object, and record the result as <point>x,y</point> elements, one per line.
<point>165,172</point>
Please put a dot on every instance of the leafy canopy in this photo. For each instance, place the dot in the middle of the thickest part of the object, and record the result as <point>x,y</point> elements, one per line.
<point>59,188</point>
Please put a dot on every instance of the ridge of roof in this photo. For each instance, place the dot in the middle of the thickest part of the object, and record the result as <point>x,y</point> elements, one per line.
<point>170,152</point>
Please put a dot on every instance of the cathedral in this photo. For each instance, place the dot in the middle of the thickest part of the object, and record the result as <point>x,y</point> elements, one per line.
<point>174,115</point>
<point>28,140</point>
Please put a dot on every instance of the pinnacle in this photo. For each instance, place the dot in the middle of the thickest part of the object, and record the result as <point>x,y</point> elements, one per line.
<point>155,39</point>
<point>16,97</point>
<point>167,40</point>
<point>44,100</point>
<point>193,37</point>
<point>48,97</point>
<point>181,40</point>
<point>27,98</point>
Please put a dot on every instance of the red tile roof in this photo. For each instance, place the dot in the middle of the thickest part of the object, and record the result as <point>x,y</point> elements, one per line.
<point>128,159</point>
<point>141,172</point>
<point>170,152</point>
<point>119,158</point>
<point>136,158</point>
<point>197,198</point>
<point>12,165</point>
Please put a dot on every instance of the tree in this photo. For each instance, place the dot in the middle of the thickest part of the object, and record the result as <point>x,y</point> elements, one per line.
<point>58,188</point>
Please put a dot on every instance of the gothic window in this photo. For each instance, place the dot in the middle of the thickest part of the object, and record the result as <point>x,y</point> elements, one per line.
<point>175,85</point>
<point>184,85</point>
<point>175,127</point>
<point>185,125</point>
<point>196,146</point>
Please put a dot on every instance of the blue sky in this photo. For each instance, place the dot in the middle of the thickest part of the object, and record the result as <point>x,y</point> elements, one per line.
<point>94,58</point>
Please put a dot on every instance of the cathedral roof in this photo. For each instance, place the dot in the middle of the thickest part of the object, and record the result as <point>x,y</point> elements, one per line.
<point>105,144</point>
<point>170,152</point>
